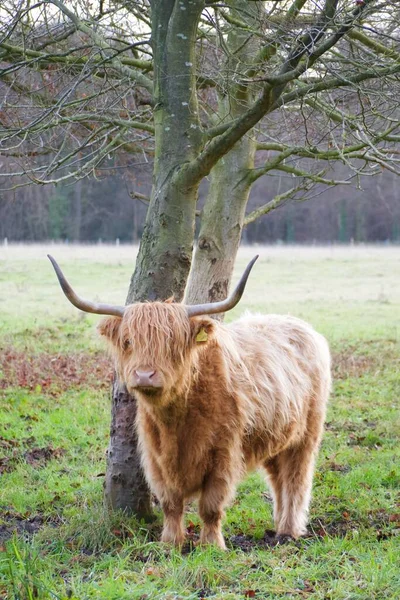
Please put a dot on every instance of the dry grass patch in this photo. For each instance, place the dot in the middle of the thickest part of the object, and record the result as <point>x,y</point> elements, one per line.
<point>366,357</point>
<point>54,373</point>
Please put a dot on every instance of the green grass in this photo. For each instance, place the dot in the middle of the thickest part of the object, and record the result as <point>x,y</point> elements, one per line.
<point>53,440</point>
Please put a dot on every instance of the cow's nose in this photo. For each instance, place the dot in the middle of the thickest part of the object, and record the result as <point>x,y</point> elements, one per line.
<point>144,378</point>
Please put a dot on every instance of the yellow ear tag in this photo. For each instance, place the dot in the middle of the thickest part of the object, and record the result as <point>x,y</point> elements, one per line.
<point>202,336</point>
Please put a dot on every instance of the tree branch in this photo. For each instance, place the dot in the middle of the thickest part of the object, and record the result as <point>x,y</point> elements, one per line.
<point>132,74</point>
<point>377,47</point>
<point>330,83</point>
<point>274,203</point>
<point>67,58</point>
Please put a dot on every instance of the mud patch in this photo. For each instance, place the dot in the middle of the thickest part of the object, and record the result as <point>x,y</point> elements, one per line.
<point>36,457</point>
<point>269,540</point>
<point>338,528</point>
<point>51,373</point>
<point>40,456</point>
<point>7,464</point>
<point>338,468</point>
<point>23,525</point>
<point>383,523</point>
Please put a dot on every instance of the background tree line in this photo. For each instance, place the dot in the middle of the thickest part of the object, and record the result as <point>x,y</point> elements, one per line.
<point>102,208</point>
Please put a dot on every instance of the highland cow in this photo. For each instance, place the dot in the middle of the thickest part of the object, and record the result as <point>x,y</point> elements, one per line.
<point>216,401</point>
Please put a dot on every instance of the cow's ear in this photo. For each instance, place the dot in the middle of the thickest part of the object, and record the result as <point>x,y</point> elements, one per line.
<point>109,327</point>
<point>202,329</point>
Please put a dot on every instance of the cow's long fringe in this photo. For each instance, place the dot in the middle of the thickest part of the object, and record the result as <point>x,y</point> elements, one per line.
<point>155,334</point>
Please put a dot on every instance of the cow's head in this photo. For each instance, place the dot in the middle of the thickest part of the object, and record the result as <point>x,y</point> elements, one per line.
<point>155,344</point>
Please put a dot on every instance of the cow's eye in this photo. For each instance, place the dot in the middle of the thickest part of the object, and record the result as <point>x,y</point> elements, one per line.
<point>127,344</point>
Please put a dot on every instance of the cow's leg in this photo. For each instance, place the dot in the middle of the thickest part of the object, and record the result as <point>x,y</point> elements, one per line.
<point>173,530</point>
<point>216,493</point>
<point>171,504</point>
<point>275,485</point>
<point>213,499</point>
<point>295,467</point>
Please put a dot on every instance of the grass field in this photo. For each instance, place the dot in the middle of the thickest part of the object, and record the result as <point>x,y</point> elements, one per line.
<point>56,538</point>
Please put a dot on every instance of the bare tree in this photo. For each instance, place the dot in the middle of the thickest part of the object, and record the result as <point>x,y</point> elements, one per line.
<point>234,90</point>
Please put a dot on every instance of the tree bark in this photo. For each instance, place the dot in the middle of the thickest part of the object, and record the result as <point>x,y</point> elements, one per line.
<point>125,487</point>
<point>165,252</point>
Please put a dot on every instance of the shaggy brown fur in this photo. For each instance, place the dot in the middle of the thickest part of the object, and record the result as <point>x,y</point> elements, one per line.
<point>252,395</point>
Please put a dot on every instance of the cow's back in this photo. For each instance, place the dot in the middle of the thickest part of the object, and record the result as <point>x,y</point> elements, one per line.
<point>280,372</point>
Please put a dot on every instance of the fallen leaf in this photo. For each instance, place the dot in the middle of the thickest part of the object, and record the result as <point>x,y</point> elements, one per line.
<point>117,532</point>
<point>394,518</point>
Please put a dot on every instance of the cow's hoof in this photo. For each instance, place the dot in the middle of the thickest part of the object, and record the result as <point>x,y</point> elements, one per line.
<point>172,539</point>
<point>212,537</point>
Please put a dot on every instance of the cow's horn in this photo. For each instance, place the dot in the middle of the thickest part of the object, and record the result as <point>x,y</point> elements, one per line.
<point>225,305</point>
<point>85,305</point>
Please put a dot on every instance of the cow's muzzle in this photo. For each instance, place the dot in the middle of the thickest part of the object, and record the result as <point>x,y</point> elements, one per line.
<point>146,379</point>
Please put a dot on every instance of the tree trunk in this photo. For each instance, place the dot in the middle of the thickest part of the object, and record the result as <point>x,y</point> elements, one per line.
<point>165,253</point>
<point>223,214</point>
<point>125,487</point>
<point>221,226</point>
